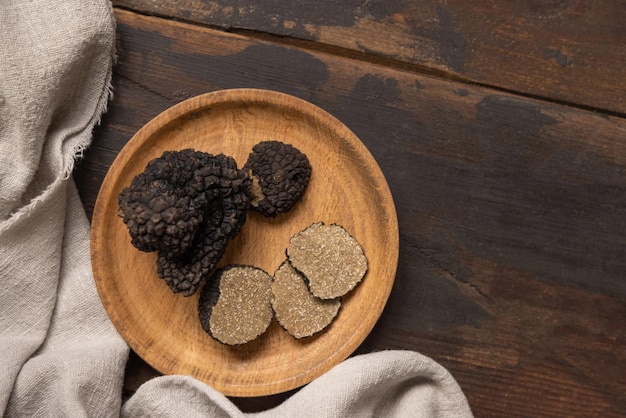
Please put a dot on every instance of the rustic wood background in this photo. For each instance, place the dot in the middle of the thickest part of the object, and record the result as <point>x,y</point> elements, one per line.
<point>501,130</point>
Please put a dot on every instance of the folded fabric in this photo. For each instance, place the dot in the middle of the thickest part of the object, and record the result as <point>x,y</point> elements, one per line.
<point>382,384</point>
<point>59,353</point>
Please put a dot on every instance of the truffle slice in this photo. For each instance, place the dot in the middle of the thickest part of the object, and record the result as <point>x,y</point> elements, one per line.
<point>332,261</point>
<point>235,305</point>
<point>280,173</point>
<point>299,312</point>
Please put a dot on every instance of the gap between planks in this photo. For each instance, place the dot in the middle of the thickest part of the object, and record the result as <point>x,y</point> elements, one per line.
<point>369,58</point>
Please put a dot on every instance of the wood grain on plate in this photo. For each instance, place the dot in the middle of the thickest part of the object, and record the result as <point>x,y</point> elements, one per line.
<point>346,188</point>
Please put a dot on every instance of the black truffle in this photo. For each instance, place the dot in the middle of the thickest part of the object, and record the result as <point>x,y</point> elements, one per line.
<point>280,173</point>
<point>235,304</point>
<point>162,208</point>
<point>186,205</point>
<point>187,272</point>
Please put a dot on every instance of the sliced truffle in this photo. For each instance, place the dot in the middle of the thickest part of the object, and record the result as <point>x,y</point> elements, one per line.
<point>280,173</point>
<point>332,261</point>
<point>299,312</point>
<point>187,205</point>
<point>235,304</point>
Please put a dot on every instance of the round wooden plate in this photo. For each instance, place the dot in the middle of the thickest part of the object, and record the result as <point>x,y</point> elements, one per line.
<point>347,187</point>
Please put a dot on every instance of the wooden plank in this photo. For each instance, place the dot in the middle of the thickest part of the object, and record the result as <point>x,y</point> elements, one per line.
<point>569,51</point>
<point>512,211</point>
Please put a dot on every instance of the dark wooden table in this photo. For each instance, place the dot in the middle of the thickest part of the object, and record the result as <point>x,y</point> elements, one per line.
<point>501,129</point>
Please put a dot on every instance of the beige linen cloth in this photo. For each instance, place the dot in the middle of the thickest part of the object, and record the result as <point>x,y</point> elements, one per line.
<point>59,353</point>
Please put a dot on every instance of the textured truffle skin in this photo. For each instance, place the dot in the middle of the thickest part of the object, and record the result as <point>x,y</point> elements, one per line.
<point>162,208</point>
<point>186,205</point>
<point>186,273</point>
<point>209,295</point>
<point>280,175</point>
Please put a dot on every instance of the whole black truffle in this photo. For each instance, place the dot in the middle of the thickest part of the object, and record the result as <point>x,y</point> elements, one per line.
<point>162,208</point>
<point>186,205</point>
<point>280,173</point>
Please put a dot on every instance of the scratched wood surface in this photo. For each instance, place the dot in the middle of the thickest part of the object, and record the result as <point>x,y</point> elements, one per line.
<point>567,50</point>
<point>511,209</point>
